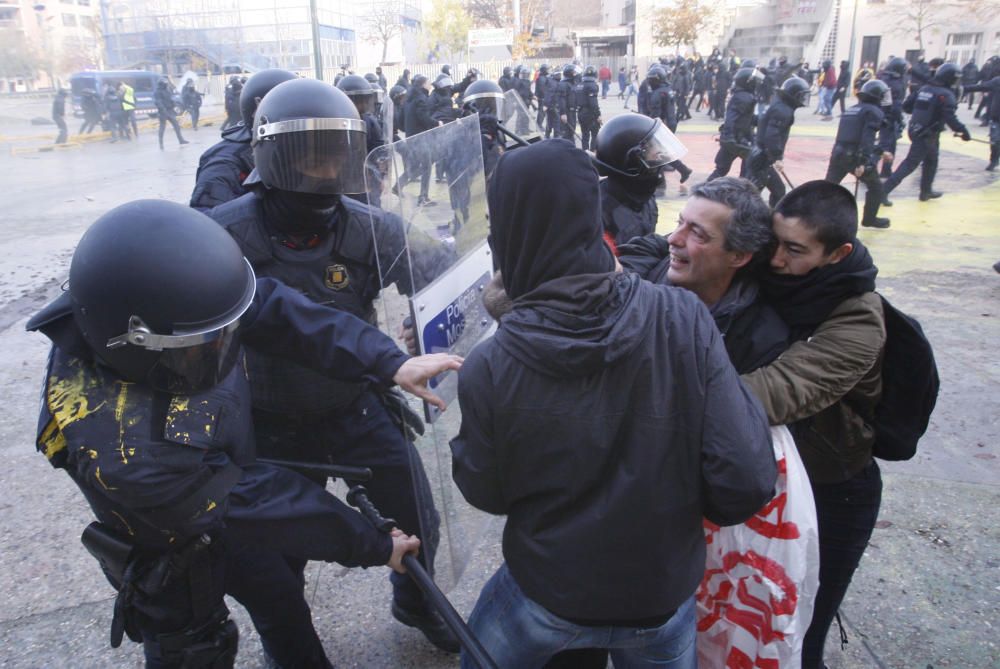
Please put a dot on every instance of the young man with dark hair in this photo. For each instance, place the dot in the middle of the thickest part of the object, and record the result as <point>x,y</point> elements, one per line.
<point>826,385</point>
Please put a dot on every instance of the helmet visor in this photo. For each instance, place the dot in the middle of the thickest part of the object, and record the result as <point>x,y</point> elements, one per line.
<point>322,156</point>
<point>485,103</point>
<point>196,368</point>
<point>659,147</point>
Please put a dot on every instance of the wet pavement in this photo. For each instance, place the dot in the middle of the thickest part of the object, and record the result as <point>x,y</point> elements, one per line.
<point>927,594</point>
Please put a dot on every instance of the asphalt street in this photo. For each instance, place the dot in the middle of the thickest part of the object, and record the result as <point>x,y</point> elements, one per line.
<point>927,594</point>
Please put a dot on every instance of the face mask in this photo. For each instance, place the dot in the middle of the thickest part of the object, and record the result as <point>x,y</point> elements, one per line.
<point>299,213</point>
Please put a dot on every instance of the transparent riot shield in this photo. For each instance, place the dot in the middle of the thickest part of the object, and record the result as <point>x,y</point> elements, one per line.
<point>516,117</point>
<point>430,237</point>
<point>386,109</point>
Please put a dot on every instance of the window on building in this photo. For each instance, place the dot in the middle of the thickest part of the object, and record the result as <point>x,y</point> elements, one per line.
<point>69,19</point>
<point>964,39</point>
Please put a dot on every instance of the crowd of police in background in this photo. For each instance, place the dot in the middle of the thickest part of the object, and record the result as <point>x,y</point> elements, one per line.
<point>289,223</point>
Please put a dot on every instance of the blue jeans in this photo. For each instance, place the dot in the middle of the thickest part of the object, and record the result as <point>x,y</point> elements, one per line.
<point>826,101</point>
<point>517,632</point>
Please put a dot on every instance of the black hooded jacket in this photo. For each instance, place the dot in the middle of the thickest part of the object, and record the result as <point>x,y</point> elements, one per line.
<point>604,417</point>
<point>223,168</point>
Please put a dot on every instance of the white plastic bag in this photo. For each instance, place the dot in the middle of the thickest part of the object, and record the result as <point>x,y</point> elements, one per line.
<point>756,598</point>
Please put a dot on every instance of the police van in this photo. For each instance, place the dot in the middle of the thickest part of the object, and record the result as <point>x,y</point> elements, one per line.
<point>141,81</point>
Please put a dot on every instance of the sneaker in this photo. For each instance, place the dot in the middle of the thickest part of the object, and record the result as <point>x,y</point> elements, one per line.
<point>930,195</point>
<point>876,222</point>
<point>431,625</point>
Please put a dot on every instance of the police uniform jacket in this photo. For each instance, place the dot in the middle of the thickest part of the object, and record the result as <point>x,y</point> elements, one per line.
<point>542,89</point>
<point>992,87</point>
<point>565,99</point>
<point>340,269</point>
<point>931,108</point>
<point>856,134</point>
<point>442,107</point>
<point>523,88</point>
<point>740,116</point>
<point>506,83</point>
<point>223,168</point>
<point>590,108</point>
<point>161,468</point>
<point>661,105</point>
<point>773,128</point>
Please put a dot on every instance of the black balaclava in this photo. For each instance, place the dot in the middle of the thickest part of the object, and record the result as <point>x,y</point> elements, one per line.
<point>545,216</point>
<point>299,214</point>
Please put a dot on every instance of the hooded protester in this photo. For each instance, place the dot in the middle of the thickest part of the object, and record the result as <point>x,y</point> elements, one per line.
<point>644,450</point>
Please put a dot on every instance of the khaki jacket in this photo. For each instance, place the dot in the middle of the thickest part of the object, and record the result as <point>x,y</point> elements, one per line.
<point>824,386</point>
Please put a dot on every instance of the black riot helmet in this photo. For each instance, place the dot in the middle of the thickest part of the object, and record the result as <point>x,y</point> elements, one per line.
<point>656,75</point>
<point>419,81</point>
<point>569,70</point>
<point>747,78</point>
<point>749,62</point>
<point>371,78</point>
<point>360,91</point>
<point>506,71</point>
<point>397,93</point>
<point>157,291</point>
<point>443,83</point>
<point>525,72</point>
<point>876,92</point>
<point>591,71</point>
<point>946,75</point>
<point>543,68</point>
<point>795,92</point>
<point>446,69</point>
<point>634,145</point>
<point>309,138</point>
<point>897,65</point>
<point>484,97</point>
<point>257,87</point>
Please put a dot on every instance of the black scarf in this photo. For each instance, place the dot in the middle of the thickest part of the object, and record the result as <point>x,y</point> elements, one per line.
<point>804,302</point>
<point>634,192</point>
<point>299,214</point>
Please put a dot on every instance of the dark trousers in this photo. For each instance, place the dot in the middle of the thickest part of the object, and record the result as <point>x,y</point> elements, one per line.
<point>172,120</point>
<point>540,116</point>
<point>846,513</point>
<point>588,132</point>
<point>726,156</point>
<point>89,123</point>
<point>364,435</point>
<point>838,96</point>
<point>763,175</point>
<point>195,113</point>
<point>551,122</point>
<point>130,119</point>
<point>842,164</point>
<point>568,129</point>
<point>63,130</point>
<point>923,150</point>
<point>890,135</point>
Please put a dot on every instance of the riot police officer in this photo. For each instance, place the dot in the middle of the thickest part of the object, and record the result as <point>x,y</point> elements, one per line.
<point>541,94</point>
<point>894,76</point>
<point>631,151</point>
<point>661,105</point>
<point>736,132</point>
<point>442,111</point>
<point>772,135</point>
<point>486,99</point>
<point>506,80</point>
<point>164,99</point>
<point>566,102</point>
<point>551,102</point>
<point>296,226</point>
<point>932,107</point>
<point>359,90</point>
<point>398,96</point>
<point>991,90</point>
<point>470,77</point>
<point>418,117</point>
<point>522,85</point>
<point>855,150</point>
<point>148,339</point>
<point>224,166</point>
<point>589,112</point>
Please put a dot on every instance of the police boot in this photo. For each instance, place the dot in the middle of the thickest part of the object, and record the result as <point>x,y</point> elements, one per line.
<point>684,171</point>
<point>930,195</point>
<point>876,222</point>
<point>994,157</point>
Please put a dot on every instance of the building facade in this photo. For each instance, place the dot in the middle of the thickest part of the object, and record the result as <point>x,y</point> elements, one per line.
<point>45,42</point>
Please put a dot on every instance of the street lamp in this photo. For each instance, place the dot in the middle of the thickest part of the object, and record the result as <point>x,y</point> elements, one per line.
<point>40,17</point>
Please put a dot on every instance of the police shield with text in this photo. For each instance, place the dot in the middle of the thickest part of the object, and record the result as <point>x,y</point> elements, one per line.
<point>856,151</point>
<point>309,150</point>
<point>146,406</point>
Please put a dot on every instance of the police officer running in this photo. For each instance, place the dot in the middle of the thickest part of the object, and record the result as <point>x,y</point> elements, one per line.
<point>589,108</point>
<point>164,99</point>
<point>932,107</point>
<point>295,226</point>
<point>772,136</point>
<point>894,76</point>
<point>736,132</point>
<point>855,150</point>
<point>224,166</point>
<point>146,406</point>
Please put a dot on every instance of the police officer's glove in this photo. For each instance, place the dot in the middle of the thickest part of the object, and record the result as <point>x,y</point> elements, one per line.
<point>966,137</point>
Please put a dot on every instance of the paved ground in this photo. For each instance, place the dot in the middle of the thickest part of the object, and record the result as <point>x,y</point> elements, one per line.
<point>928,590</point>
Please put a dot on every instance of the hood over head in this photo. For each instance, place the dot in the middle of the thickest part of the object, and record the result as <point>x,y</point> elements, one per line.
<point>545,216</point>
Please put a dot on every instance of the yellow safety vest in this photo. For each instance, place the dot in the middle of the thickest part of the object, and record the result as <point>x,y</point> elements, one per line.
<point>128,98</point>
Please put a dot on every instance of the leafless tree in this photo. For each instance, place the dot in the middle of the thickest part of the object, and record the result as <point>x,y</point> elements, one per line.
<point>382,23</point>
